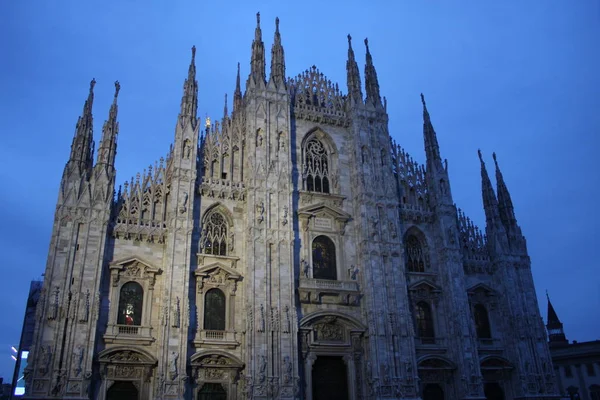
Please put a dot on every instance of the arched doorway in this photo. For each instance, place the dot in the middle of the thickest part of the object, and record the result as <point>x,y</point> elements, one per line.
<point>493,391</point>
<point>329,379</point>
<point>433,391</point>
<point>122,390</point>
<point>212,391</point>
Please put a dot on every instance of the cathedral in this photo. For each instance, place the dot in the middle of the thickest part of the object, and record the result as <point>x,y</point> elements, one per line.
<point>291,250</point>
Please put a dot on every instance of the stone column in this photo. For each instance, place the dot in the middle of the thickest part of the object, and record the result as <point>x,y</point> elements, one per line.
<point>308,365</point>
<point>351,373</point>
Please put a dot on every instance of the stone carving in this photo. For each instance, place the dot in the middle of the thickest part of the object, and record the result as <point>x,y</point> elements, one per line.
<point>249,319</point>
<point>53,312</point>
<point>132,270</point>
<point>305,267</point>
<point>353,272</point>
<point>261,319</point>
<point>230,241</point>
<point>125,371</point>
<point>45,357</point>
<point>285,216</point>
<point>85,309</point>
<point>183,207</point>
<point>329,330</point>
<point>392,229</point>
<point>274,319</point>
<point>128,356</point>
<point>187,149</point>
<point>77,364</point>
<point>214,373</point>
<point>287,370</point>
<point>173,365</point>
<point>260,212</point>
<point>176,314</point>
<point>262,369</point>
<point>286,321</point>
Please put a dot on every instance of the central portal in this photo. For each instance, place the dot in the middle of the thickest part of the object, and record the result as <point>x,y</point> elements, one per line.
<point>122,390</point>
<point>329,379</point>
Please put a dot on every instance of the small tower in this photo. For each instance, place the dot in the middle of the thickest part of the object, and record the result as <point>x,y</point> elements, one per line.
<point>354,85</point>
<point>556,334</point>
<point>371,83</point>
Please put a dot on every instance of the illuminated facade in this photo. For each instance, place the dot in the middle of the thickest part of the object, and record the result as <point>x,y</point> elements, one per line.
<point>291,250</point>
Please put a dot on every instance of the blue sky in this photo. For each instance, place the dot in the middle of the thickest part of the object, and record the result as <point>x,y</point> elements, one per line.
<point>518,78</point>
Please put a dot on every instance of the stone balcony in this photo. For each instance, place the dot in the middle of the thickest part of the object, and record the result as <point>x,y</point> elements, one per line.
<point>217,339</point>
<point>325,291</point>
<point>128,334</point>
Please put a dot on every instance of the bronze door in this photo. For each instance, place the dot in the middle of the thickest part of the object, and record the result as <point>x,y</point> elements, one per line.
<point>122,390</point>
<point>329,379</point>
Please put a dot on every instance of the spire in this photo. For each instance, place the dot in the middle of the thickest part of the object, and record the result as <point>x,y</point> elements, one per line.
<point>257,63</point>
<point>81,149</point>
<point>108,144</point>
<point>490,204</point>
<point>277,58</point>
<point>237,95</point>
<point>432,148</point>
<point>505,205</point>
<point>225,111</point>
<point>354,85</point>
<point>189,100</point>
<point>371,83</point>
<point>556,333</point>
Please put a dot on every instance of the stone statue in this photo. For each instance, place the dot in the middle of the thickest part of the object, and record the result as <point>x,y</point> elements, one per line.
<point>173,365</point>
<point>305,267</point>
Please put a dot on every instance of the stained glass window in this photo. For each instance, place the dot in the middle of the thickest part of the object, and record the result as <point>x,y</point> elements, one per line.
<point>131,300</point>
<point>323,258</point>
<point>482,323</point>
<point>214,310</point>
<point>214,235</point>
<point>415,258</point>
<point>316,167</point>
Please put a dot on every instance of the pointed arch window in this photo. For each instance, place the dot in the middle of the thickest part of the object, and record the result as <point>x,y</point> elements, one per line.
<point>214,235</point>
<point>214,310</point>
<point>415,257</point>
<point>323,258</point>
<point>424,322</point>
<point>482,322</point>
<point>131,298</point>
<point>316,167</point>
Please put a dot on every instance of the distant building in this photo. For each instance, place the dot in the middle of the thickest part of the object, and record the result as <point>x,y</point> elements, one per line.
<point>290,251</point>
<point>18,382</point>
<point>576,364</point>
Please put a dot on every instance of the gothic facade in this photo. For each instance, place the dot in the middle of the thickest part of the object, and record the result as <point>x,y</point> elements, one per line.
<point>290,251</point>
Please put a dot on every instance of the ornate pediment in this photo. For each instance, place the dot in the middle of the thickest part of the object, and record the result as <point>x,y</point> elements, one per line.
<point>481,289</point>
<point>425,285</point>
<point>324,217</point>
<point>217,275</point>
<point>215,359</point>
<point>133,268</point>
<point>123,355</point>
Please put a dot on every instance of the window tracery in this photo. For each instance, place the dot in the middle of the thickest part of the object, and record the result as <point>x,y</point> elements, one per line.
<point>415,257</point>
<point>316,167</point>
<point>131,299</point>
<point>214,235</point>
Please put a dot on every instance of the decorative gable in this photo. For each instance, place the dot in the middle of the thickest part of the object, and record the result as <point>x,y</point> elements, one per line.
<point>133,268</point>
<point>424,290</point>
<point>217,275</point>
<point>323,217</point>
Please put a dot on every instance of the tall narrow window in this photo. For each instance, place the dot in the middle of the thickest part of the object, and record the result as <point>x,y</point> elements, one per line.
<point>214,235</point>
<point>323,258</point>
<point>415,258</point>
<point>482,322</point>
<point>214,310</point>
<point>316,167</point>
<point>424,322</point>
<point>131,299</point>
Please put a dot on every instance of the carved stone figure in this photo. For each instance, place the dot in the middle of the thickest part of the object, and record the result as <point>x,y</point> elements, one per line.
<point>173,365</point>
